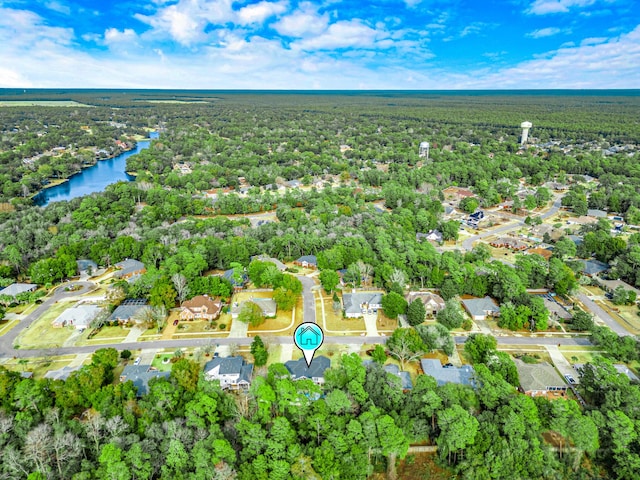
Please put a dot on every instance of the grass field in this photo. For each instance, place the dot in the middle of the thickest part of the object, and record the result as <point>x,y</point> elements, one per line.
<point>281,324</point>
<point>42,103</point>
<point>41,334</point>
<point>7,325</point>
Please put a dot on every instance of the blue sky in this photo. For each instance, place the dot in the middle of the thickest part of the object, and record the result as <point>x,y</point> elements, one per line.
<point>331,44</point>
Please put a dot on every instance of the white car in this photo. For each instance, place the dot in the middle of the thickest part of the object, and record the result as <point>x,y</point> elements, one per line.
<point>137,361</point>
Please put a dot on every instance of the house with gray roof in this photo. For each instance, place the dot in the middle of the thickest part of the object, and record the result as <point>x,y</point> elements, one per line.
<point>594,267</point>
<point>359,303</point>
<point>464,375</point>
<point>620,367</point>
<point>85,266</point>
<point>267,305</point>
<point>481,308</point>
<point>140,375</point>
<point>237,281</point>
<point>129,268</point>
<point>265,258</point>
<point>597,213</point>
<point>405,377</point>
<point>128,311</point>
<point>307,261</point>
<point>16,289</point>
<point>233,373</point>
<point>539,379</point>
<point>61,373</point>
<point>298,369</point>
<point>79,316</point>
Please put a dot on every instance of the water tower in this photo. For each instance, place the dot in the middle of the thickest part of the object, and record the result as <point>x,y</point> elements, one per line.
<point>525,132</point>
<point>424,150</point>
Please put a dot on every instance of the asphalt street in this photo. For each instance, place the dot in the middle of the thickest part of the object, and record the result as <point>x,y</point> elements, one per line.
<point>468,243</point>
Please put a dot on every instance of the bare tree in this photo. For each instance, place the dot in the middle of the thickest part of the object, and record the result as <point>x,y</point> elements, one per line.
<point>180,283</point>
<point>152,316</point>
<point>67,448</point>
<point>366,271</point>
<point>37,447</point>
<point>399,277</point>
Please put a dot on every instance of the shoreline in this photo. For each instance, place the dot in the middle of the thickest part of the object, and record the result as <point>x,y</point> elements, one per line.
<point>57,182</point>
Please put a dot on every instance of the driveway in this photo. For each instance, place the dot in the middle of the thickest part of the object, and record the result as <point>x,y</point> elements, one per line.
<point>604,316</point>
<point>308,299</point>
<point>7,340</point>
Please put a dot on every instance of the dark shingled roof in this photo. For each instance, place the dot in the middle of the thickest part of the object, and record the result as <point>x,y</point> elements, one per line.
<point>298,368</point>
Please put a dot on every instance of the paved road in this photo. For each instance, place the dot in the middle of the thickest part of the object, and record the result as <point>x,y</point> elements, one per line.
<point>286,340</point>
<point>308,299</point>
<point>604,316</point>
<point>468,243</point>
<point>6,340</point>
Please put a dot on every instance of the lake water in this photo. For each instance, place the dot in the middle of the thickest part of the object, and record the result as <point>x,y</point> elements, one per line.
<point>92,179</point>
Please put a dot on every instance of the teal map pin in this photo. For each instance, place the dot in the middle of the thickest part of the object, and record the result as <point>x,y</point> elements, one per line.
<point>308,337</point>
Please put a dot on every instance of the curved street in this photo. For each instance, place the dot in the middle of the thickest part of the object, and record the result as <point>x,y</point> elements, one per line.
<point>467,244</point>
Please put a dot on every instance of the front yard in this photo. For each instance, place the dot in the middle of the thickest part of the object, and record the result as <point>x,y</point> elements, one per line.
<point>41,333</point>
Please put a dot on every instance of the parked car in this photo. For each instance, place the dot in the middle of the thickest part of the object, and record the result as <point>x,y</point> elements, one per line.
<point>137,361</point>
<point>175,322</point>
<point>570,379</point>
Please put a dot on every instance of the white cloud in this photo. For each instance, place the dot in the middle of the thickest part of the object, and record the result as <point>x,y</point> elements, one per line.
<point>544,32</point>
<point>259,12</point>
<point>343,34</point>
<point>412,3</point>
<point>543,7</point>
<point>114,36</point>
<point>58,7</point>
<point>593,41</point>
<point>306,21</point>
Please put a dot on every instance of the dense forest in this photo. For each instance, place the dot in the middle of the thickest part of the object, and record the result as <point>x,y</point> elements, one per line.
<point>369,196</point>
<point>358,423</point>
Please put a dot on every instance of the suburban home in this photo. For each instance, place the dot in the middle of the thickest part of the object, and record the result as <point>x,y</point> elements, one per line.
<point>456,193</point>
<point>620,367</point>
<point>79,316</point>
<point>540,379</point>
<point>508,242</point>
<point>201,307</point>
<point>543,252</point>
<point>267,305</point>
<point>237,281</point>
<point>597,213</point>
<point>433,303</point>
<point>464,375</point>
<point>140,375</point>
<point>233,373</point>
<point>265,258</point>
<point>432,236</point>
<point>594,267</point>
<point>359,303</point>
<point>405,377</point>
<point>481,308</point>
<point>127,312</point>
<point>16,289</point>
<point>129,268</point>
<point>293,184</point>
<point>86,266</point>
<point>583,220</point>
<point>298,369</point>
<point>307,261</point>
<point>62,373</point>
<point>611,285</point>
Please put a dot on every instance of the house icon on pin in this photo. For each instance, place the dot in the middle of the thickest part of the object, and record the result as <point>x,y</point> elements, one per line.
<point>308,337</point>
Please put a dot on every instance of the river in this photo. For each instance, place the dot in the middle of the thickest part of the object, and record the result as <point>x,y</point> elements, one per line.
<point>92,179</point>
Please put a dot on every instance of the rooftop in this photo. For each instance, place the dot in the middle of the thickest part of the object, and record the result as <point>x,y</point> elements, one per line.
<point>352,301</point>
<point>298,368</point>
<point>480,306</point>
<point>140,375</point>
<point>18,288</point>
<point>462,375</point>
<point>538,376</point>
<point>128,267</point>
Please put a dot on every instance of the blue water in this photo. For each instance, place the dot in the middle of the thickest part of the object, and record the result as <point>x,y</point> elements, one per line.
<point>92,179</point>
